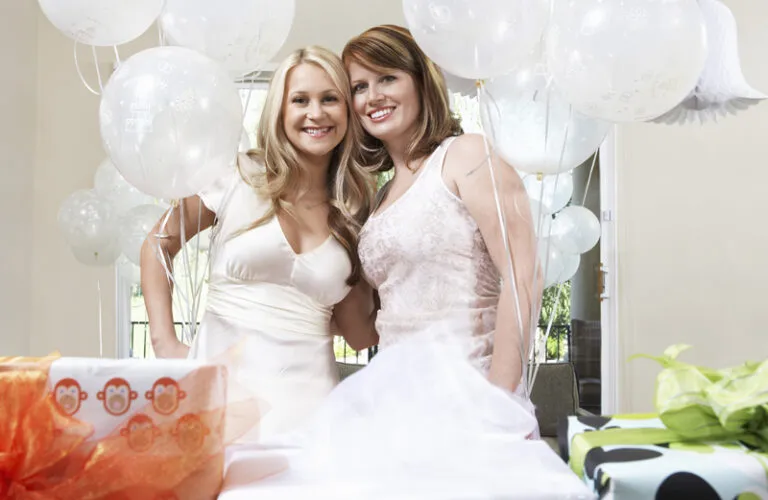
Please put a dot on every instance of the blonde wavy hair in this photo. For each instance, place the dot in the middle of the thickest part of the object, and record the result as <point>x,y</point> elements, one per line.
<point>350,185</point>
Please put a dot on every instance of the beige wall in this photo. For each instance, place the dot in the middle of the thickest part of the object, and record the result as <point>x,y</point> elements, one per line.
<point>332,22</point>
<point>693,238</point>
<point>65,301</point>
<point>18,46</point>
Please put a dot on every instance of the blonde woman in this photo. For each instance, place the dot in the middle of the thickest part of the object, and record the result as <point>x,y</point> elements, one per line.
<point>284,263</point>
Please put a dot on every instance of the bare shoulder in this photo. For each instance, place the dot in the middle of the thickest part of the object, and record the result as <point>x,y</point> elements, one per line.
<point>465,152</point>
<point>468,143</point>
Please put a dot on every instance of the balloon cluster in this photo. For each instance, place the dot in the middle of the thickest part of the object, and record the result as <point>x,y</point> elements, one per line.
<point>109,220</point>
<point>553,78</point>
<point>171,117</point>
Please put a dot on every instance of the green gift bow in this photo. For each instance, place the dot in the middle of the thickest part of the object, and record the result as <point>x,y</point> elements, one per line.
<point>703,404</point>
<point>695,404</point>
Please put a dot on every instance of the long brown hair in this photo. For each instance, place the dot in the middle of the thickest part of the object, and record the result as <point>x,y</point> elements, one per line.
<point>350,185</point>
<point>387,47</point>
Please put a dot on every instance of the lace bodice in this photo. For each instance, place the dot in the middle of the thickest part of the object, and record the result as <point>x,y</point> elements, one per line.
<point>425,255</point>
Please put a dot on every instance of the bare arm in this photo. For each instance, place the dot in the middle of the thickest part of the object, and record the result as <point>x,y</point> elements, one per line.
<point>154,282</point>
<point>355,316</point>
<point>466,165</point>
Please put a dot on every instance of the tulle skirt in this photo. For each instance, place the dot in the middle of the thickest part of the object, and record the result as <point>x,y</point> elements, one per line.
<point>419,422</point>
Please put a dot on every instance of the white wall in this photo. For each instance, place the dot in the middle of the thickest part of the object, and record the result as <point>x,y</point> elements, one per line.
<point>332,22</point>
<point>65,301</point>
<point>18,85</point>
<point>693,238</point>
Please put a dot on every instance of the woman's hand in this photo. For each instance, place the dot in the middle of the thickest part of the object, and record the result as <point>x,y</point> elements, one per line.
<point>170,348</point>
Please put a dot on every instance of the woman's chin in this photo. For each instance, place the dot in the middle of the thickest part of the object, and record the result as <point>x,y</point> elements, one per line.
<point>385,132</point>
<point>316,152</point>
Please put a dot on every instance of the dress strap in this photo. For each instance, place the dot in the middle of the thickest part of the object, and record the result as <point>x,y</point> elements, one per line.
<point>438,157</point>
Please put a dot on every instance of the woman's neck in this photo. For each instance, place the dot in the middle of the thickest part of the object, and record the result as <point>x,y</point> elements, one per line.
<point>398,152</point>
<point>313,185</point>
<point>400,160</point>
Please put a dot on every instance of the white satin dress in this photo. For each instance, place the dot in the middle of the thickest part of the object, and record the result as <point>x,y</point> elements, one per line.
<point>272,305</point>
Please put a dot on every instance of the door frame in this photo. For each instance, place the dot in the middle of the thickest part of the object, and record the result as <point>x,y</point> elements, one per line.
<point>610,367</point>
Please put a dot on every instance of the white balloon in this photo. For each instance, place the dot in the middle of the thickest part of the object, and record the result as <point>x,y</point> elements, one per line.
<point>626,61</point>
<point>135,225</point>
<point>553,191</point>
<point>571,263</point>
<point>558,266</point>
<point>110,185</point>
<point>467,87</point>
<point>171,121</point>
<point>128,271</point>
<point>476,38</point>
<point>551,261</point>
<point>102,22</point>
<point>242,35</point>
<point>532,127</point>
<point>87,221</point>
<point>103,257</point>
<point>575,230</point>
<point>542,221</point>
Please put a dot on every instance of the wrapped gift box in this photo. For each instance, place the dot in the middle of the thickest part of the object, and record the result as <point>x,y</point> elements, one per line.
<point>637,457</point>
<point>98,428</point>
<point>108,393</point>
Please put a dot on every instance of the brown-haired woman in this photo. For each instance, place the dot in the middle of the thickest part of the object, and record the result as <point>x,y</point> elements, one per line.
<point>434,247</point>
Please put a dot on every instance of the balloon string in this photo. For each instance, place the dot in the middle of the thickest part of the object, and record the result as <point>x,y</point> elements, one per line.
<point>549,244</point>
<point>530,369</point>
<point>98,70</point>
<point>80,73</point>
<point>101,322</point>
<point>248,98</point>
<point>199,278</point>
<point>160,35</point>
<point>589,178</point>
<point>165,258</point>
<point>189,332</point>
<point>118,62</point>
<point>507,249</point>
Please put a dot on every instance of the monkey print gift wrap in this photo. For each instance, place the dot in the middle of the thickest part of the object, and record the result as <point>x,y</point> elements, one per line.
<point>132,397</point>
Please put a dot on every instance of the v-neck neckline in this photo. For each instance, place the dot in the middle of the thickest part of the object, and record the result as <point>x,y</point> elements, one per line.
<point>421,172</point>
<point>287,242</point>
